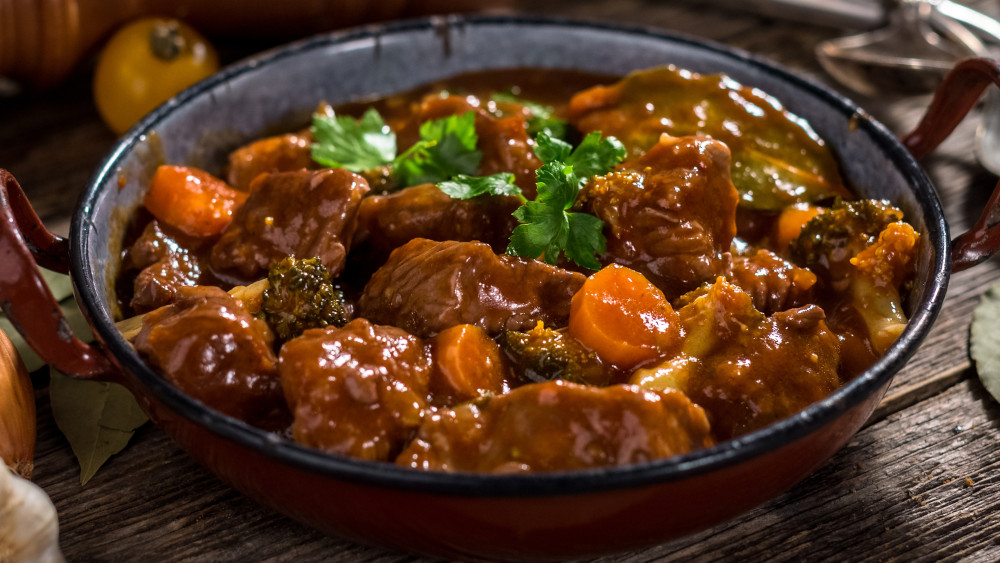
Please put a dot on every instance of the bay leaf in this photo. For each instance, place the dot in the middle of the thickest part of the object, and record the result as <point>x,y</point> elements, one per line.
<point>984,342</point>
<point>97,418</point>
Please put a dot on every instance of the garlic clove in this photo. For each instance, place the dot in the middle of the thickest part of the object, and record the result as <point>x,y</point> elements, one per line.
<point>29,527</point>
<point>17,411</point>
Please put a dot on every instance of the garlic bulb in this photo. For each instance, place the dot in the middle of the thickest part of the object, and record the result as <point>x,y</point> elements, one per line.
<point>17,411</point>
<point>29,529</point>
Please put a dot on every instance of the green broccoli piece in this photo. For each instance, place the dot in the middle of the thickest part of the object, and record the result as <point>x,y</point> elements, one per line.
<point>301,296</point>
<point>829,240</point>
<point>866,254</point>
<point>544,354</point>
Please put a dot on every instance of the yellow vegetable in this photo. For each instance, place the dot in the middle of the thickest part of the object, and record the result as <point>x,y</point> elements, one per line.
<point>17,412</point>
<point>144,64</point>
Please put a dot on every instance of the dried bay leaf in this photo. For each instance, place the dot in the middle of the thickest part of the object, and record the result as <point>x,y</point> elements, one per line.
<point>984,344</point>
<point>98,419</point>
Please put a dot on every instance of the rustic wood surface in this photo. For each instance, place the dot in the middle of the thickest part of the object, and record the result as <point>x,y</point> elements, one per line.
<point>919,482</point>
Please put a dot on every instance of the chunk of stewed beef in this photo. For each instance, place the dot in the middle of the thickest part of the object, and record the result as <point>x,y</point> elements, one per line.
<point>669,214</point>
<point>208,345</point>
<point>304,213</point>
<point>559,425</point>
<point>283,153</point>
<point>359,390</point>
<point>386,222</point>
<point>428,286</point>
<point>166,260</point>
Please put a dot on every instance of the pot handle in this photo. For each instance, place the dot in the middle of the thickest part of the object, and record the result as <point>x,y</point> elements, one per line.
<point>25,244</point>
<point>958,94</point>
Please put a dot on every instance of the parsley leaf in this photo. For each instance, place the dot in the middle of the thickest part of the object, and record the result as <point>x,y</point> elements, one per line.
<point>594,156</point>
<point>447,148</point>
<point>543,118</point>
<point>465,187</point>
<point>548,228</point>
<point>355,145</point>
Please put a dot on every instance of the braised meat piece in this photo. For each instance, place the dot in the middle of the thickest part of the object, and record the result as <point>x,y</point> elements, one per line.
<point>386,222</point>
<point>359,390</point>
<point>558,425</point>
<point>504,142</point>
<point>774,283</point>
<point>747,369</point>
<point>167,261</point>
<point>669,214</point>
<point>208,345</point>
<point>283,153</point>
<point>427,286</point>
<point>305,213</point>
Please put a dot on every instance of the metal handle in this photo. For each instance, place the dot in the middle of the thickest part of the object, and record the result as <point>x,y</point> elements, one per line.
<point>957,94</point>
<point>25,244</point>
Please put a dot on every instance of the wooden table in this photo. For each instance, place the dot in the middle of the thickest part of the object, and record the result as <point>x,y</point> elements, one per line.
<point>920,481</point>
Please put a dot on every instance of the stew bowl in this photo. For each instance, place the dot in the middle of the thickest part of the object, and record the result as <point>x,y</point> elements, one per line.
<point>539,516</point>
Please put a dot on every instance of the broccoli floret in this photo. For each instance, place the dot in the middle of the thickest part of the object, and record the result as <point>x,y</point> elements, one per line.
<point>829,240</point>
<point>544,354</point>
<point>300,296</point>
<point>865,253</point>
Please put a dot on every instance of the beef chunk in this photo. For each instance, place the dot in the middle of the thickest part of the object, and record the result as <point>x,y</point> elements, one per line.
<point>558,425</point>
<point>167,261</point>
<point>745,368</point>
<point>428,286</point>
<point>208,345</point>
<point>773,283</point>
<point>359,390</point>
<point>284,153</point>
<point>386,222</point>
<point>669,214</point>
<point>304,213</point>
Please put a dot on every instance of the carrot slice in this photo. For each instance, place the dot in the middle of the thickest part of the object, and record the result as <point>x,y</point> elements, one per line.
<point>623,318</point>
<point>192,200</point>
<point>467,364</point>
<point>790,222</point>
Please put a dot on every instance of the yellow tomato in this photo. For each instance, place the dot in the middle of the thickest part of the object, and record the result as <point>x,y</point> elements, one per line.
<point>144,64</point>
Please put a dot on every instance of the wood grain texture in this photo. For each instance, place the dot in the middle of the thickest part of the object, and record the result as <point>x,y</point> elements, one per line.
<point>896,492</point>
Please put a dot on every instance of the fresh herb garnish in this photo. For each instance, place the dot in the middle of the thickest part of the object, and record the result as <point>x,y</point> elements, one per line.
<point>447,146</point>
<point>465,187</point>
<point>355,145</point>
<point>548,229</point>
<point>543,118</point>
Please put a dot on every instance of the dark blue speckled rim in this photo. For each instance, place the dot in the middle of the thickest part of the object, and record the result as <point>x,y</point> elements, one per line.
<point>387,475</point>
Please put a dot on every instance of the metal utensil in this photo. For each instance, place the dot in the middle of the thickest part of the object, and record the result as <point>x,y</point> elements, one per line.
<point>908,56</point>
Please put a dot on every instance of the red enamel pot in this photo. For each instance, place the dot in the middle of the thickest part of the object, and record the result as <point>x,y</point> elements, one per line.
<point>538,516</point>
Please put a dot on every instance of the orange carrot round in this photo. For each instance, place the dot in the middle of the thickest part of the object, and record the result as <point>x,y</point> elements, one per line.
<point>623,318</point>
<point>467,364</point>
<point>192,200</point>
<point>790,223</point>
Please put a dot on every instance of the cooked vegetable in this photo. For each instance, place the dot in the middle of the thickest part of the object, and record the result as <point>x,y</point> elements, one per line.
<point>300,296</point>
<point>777,158</point>
<point>145,63</point>
<point>191,200</point>
<point>17,412</point>
<point>544,354</point>
<point>863,251</point>
<point>467,364</point>
<point>29,527</point>
<point>789,224</point>
<point>623,318</point>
